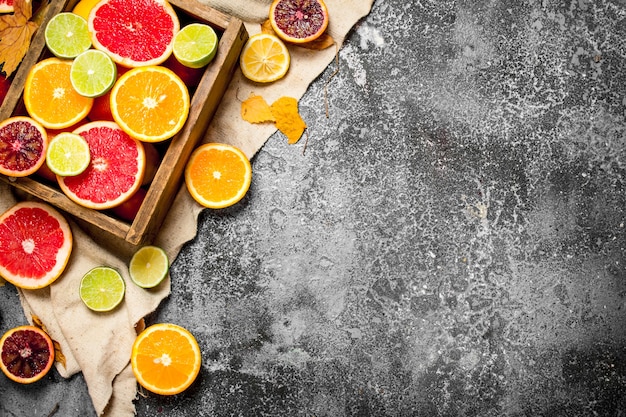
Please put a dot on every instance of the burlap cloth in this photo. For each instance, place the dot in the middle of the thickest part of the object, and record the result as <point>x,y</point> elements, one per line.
<point>99,345</point>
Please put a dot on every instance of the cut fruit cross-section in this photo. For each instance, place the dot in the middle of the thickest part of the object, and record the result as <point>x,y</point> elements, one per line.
<point>102,289</point>
<point>218,175</point>
<point>166,359</point>
<point>67,35</point>
<point>35,245</point>
<point>116,169</point>
<point>26,354</point>
<point>23,144</point>
<point>264,58</point>
<point>68,154</point>
<point>150,103</point>
<point>134,33</point>
<point>298,21</point>
<point>49,96</point>
<point>93,73</point>
<point>148,266</point>
<point>195,45</point>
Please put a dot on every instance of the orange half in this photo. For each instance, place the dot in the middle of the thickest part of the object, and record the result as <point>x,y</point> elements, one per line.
<point>26,354</point>
<point>218,175</point>
<point>165,359</point>
<point>50,98</point>
<point>151,103</point>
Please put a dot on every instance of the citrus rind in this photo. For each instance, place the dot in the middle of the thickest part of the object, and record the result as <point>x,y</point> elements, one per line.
<point>264,58</point>
<point>299,21</point>
<point>31,137</point>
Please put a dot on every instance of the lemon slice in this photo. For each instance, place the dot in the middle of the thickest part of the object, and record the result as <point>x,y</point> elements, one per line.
<point>93,73</point>
<point>264,58</point>
<point>68,154</point>
<point>102,288</point>
<point>67,35</point>
<point>195,45</point>
<point>149,266</point>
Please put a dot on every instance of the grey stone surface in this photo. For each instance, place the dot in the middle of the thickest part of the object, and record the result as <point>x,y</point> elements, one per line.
<point>450,242</point>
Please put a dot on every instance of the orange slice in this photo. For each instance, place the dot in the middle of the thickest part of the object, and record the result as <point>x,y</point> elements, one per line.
<point>50,98</point>
<point>165,359</point>
<point>218,175</point>
<point>150,103</point>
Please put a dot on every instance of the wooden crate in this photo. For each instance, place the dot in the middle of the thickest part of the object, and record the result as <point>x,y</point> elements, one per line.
<point>168,179</point>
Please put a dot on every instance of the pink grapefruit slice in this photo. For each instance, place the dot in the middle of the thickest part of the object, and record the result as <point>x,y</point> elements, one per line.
<point>23,145</point>
<point>134,33</point>
<point>116,170</point>
<point>35,245</point>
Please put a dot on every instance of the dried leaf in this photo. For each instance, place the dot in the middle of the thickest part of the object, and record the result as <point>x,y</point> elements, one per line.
<point>288,119</point>
<point>2,282</point>
<point>16,31</point>
<point>58,353</point>
<point>318,44</point>
<point>256,110</point>
<point>140,326</point>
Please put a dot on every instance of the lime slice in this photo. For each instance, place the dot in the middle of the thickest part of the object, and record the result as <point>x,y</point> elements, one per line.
<point>67,35</point>
<point>195,45</point>
<point>149,266</point>
<point>68,154</point>
<point>93,73</point>
<point>102,288</point>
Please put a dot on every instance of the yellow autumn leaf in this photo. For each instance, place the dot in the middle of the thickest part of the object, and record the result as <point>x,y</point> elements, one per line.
<point>58,353</point>
<point>16,31</point>
<point>256,110</point>
<point>288,119</point>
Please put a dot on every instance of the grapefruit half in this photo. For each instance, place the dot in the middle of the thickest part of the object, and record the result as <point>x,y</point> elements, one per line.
<point>116,169</point>
<point>35,245</point>
<point>134,33</point>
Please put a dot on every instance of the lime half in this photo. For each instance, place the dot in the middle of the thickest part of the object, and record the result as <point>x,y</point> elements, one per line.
<point>149,266</point>
<point>67,35</point>
<point>68,154</point>
<point>195,45</point>
<point>93,73</point>
<point>102,288</point>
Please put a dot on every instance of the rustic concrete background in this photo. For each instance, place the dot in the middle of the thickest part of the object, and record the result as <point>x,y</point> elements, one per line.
<point>451,242</point>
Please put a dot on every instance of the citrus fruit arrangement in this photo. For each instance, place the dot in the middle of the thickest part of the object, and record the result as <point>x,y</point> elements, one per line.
<point>26,354</point>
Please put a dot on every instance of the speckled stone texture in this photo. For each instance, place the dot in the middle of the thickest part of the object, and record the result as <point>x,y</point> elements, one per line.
<point>450,242</point>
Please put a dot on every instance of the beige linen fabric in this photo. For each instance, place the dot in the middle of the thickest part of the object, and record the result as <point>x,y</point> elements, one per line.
<point>99,345</point>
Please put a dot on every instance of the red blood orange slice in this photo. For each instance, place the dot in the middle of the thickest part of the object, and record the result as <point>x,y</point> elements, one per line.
<point>298,21</point>
<point>26,354</point>
<point>23,144</point>
<point>116,170</point>
<point>134,33</point>
<point>35,245</point>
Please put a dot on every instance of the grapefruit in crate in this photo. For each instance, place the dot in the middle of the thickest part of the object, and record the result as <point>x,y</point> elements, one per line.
<point>116,169</point>
<point>35,245</point>
<point>134,33</point>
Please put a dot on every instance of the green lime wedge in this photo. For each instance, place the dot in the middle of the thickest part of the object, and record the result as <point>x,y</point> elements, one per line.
<point>68,154</point>
<point>149,266</point>
<point>67,35</point>
<point>93,73</point>
<point>195,45</point>
<point>102,288</point>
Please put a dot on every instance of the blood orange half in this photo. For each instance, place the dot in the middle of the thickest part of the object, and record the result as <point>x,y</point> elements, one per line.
<point>35,245</point>
<point>26,354</point>
<point>116,170</point>
<point>298,21</point>
<point>134,33</point>
<point>23,144</point>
